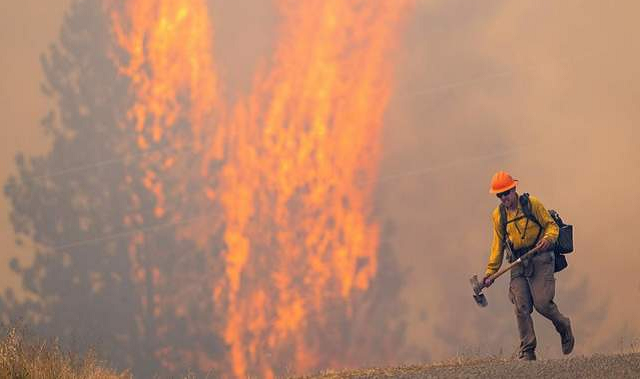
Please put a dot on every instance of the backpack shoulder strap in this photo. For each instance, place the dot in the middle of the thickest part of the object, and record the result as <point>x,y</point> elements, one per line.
<point>525,202</point>
<point>503,221</point>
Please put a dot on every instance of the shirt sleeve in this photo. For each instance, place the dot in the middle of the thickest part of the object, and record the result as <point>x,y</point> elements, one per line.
<point>497,246</point>
<point>549,226</point>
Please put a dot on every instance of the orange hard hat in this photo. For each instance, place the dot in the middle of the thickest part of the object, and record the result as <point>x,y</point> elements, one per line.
<point>501,182</point>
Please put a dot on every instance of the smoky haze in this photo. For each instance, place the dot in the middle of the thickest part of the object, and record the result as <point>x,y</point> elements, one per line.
<point>546,91</point>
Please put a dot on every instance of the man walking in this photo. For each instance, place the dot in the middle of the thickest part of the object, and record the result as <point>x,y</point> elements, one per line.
<point>532,282</point>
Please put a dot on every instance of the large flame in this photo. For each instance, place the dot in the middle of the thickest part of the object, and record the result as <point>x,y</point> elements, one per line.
<point>300,158</point>
<point>297,189</point>
<point>169,62</point>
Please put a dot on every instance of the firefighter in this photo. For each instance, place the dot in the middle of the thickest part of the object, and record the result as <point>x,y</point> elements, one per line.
<point>532,283</point>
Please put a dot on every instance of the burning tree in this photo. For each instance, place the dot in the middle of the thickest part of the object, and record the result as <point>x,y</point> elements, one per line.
<point>106,263</point>
<point>238,237</point>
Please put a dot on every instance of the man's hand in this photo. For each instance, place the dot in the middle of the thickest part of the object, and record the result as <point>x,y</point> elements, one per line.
<point>543,245</point>
<point>487,281</point>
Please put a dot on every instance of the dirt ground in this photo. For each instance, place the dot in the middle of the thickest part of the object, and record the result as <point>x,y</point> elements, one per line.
<point>620,366</point>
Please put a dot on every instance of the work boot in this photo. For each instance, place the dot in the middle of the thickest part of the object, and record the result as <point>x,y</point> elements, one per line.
<point>566,338</point>
<point>528,355</point>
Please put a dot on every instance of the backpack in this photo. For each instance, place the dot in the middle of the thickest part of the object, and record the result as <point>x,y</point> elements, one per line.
<point>564,244</point>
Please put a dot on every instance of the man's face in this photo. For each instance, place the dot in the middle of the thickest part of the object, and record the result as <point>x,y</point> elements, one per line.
<point>508,198</point>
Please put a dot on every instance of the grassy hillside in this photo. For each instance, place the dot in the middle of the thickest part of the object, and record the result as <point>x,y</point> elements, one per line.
<point>620,366</point>
<point>22,358</point>
<point>28,358</point>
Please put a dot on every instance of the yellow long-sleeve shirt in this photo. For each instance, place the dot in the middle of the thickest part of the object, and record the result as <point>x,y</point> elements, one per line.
<point>516,231</point>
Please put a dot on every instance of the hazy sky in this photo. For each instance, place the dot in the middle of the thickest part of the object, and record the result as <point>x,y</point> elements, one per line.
<point>547,90</point>
<point>27,28</point>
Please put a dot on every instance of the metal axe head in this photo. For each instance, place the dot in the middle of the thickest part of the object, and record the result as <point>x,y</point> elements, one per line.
<point>477,287</point>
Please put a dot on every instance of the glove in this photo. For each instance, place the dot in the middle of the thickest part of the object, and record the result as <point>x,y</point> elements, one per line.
<point>487,281</point>
<point>544,245</point>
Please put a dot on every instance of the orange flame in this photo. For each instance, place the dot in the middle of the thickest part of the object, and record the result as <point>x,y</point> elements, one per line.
<point>301,157</point>
<point>168,46</point>
<point>297,190</point>
<point>164,49</point>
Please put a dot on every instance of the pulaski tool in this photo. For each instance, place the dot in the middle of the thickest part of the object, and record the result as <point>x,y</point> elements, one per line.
<point>478,285</point>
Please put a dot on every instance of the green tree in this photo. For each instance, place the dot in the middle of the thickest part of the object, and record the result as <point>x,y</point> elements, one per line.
<point>108,273</point>
<point>111,272</point>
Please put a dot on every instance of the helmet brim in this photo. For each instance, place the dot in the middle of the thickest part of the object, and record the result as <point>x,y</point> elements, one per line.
<point>506,188</point>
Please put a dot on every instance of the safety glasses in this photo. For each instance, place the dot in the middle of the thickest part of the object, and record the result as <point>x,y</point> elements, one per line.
<point>505,193</point>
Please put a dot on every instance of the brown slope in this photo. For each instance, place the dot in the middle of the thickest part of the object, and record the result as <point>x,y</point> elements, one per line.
<point>618,366</point>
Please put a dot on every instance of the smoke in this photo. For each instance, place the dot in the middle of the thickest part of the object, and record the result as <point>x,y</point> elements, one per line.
<point>545,91</point>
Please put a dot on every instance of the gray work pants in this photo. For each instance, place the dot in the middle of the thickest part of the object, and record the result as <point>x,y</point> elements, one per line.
<point>533,286</point>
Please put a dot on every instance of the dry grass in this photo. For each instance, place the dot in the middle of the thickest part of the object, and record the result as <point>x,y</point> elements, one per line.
<point>409,370</point>
<point>617,366</point>
<point>22,358</point>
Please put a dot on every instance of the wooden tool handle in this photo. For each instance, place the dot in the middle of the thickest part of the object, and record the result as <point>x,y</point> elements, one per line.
<point>510,265</point>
